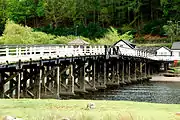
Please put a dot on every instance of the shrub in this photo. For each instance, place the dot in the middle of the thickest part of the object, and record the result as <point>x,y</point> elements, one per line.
<point>18,34</point>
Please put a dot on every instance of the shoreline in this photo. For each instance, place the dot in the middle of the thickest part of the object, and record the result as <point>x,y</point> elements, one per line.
<point>161,78</point>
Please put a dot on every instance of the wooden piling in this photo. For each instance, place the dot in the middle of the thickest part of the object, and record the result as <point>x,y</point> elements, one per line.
<point>145,70</point>
<point>82,78</point>
<point>122,72</point>
<point>135,73</point>
<point>2,84</point>
<point>58,81</point>
<point>129,71</point>
<point>141,75</point>
<point>118,71</point>
<point>19,80</point>
<point>40,78</point>
<point>105,73</point>
<point>71,80</point>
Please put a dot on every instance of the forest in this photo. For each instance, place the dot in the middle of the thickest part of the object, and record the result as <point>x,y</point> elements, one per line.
<point>93,18</point>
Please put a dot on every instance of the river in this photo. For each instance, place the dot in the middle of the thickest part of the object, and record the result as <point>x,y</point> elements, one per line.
<point>155,92</point>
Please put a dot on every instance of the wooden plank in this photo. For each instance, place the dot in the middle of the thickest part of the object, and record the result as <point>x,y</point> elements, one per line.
<point>49,72</point>
<point>10,77</point>
<point>65,69</point>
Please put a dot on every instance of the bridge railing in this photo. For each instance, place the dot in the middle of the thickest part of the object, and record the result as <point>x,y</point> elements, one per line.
<point>116,50</point>
<point>25,52</point>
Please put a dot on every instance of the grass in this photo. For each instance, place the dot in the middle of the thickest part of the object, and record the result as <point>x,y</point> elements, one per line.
<point>175,70</point>
<point>51,109</point>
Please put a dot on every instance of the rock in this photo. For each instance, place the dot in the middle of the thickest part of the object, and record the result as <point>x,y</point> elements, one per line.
<point>178,113</point>
<point>91,106</point>
<point>11,118</point>
<point>65,118</point>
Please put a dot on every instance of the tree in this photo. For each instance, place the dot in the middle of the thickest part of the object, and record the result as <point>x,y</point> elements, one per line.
<point>56,11</point>
<point>3,15</point>
<point>171,30</point>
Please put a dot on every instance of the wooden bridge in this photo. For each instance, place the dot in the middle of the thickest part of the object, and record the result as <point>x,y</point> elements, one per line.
<point>52,71</point>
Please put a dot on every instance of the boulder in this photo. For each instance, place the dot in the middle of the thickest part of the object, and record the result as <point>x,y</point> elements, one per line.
<point>91,106</point>
<point>65,118</point>
<point>11,118</point>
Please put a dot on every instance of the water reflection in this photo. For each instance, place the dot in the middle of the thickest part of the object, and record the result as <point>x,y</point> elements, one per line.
<point>156,92</point>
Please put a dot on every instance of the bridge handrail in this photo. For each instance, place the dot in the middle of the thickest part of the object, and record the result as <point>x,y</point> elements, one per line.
<point>36,51</point>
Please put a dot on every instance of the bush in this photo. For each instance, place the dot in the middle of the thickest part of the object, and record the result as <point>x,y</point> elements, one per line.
<point>112,36</point>
<point>18,34</point>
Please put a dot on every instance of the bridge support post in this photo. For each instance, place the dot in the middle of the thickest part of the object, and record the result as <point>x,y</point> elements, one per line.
<point>100,73</point>
<point>40,78</point>
<point>58,81</point>
<point>149,71</point>
<point>118,71</point>
<point>2,84</point>
<point>122,73</point>
<point>18,79</point>
<point>129,72</point>
<point>105,73</point>
<point>11,85</point>
<point>165,67</point>
<point>90,75</point>
<point>71,79</point>
<point>82,78</point>
<point>145,70</point>
<point>135,77</point>
<point>141,75</point>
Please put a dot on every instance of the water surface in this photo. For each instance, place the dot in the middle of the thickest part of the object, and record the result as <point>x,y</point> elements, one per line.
<point>156,92</point>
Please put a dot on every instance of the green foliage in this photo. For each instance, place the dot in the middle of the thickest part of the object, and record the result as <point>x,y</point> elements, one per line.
<point>127,36</point>
<point>154,27</point>
<point>18,34</point>
<point>21,10</point>
<point>172,30</point>
<point>127,28</point>
<point>112,36</point>
<point>92,16</point>
<point>3,15</point>
<point>91,31</point>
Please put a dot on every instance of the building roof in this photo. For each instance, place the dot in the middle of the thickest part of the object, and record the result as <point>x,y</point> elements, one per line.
<point>175,46</point>
<point>166,48</point>
<point>148,49</point>
<point>131,45</point>
<point>78,41</point>
<point>152,49</point>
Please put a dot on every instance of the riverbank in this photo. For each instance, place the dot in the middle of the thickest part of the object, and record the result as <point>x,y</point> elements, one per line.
<point>50,109</point>
<point>161,78</point>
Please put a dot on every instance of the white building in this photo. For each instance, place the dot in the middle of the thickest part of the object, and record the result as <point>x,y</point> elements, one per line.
<point>126,47</point>
<point>164,53</point>
<point>176,50</point>
<point>125,44</point>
